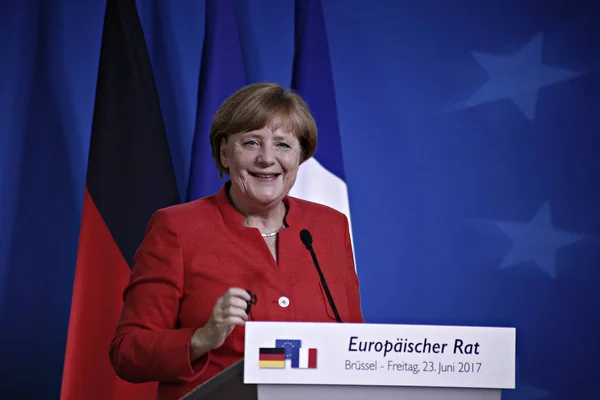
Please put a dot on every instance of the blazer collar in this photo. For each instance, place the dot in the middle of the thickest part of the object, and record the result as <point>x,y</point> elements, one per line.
<point>232,216</point>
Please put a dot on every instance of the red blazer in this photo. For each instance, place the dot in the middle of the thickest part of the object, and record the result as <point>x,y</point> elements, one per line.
<point>192,253</point>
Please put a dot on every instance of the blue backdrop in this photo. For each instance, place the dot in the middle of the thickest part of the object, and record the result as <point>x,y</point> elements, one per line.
<point>470,139</point>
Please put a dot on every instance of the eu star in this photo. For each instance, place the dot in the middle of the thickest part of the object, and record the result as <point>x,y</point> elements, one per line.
<point>517,76</point>
<point>537,241</point>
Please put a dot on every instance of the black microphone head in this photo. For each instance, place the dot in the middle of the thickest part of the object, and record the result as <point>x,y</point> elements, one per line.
<point>306,238</point>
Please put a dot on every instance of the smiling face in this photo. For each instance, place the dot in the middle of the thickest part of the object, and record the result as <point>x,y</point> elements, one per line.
<point>262,164</point>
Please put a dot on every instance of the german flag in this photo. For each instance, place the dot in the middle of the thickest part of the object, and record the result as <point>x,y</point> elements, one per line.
<point>272,357</point>
<point>130,176</point>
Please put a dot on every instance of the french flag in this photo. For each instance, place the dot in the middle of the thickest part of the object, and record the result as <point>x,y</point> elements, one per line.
<point>307,358</point>
<point>320,179</point>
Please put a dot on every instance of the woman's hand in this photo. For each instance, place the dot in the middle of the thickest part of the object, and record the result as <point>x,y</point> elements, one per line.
<point>229,311</point>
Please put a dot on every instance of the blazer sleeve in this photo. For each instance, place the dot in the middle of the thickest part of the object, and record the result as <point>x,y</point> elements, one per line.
<point>148,345</point>
<point>352,283</point>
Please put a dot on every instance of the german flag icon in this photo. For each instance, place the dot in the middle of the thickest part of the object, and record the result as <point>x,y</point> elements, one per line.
<point>272,357</point>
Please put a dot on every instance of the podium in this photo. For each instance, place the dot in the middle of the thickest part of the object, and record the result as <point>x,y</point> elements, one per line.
<point>294,361</point>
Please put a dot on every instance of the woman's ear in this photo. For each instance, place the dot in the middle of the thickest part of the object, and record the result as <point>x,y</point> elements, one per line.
<point>223,153</point>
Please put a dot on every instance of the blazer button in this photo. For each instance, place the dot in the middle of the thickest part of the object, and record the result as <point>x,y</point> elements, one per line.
<point>283,302</point>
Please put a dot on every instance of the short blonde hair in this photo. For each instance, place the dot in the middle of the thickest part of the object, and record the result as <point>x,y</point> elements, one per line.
<point>258,105</point>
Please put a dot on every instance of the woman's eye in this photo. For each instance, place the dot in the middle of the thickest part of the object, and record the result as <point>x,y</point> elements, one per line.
<point>283,144</point>
<point>251,143</point>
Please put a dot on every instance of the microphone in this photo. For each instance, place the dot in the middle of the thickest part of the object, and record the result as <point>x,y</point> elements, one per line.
<point>306,238</point>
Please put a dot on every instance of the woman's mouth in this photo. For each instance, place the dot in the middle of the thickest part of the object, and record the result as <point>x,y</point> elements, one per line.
<point>266,177</point>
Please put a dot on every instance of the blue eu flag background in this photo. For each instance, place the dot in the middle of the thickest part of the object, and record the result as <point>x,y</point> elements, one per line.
<point>292,350</point>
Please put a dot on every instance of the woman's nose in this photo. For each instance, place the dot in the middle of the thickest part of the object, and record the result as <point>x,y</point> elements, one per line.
<point>266,155</point>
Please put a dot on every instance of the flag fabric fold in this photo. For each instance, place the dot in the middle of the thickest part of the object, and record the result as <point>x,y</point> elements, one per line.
<point>130,176</point>
<point>321,179</point>
<point>221,74</point>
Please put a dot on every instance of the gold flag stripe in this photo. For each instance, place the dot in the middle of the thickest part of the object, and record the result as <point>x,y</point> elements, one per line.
<point>271,364</point>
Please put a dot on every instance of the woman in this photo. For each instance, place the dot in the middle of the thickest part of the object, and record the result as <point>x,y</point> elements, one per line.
<point>185,306</point>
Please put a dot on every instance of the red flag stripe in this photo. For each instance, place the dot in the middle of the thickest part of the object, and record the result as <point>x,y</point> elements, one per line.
<point>100,277</point>
<point>312,358</point>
